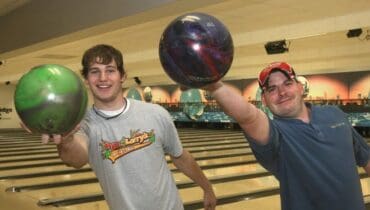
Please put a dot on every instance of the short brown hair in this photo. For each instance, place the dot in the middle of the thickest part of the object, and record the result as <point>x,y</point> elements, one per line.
<point>105,53</point>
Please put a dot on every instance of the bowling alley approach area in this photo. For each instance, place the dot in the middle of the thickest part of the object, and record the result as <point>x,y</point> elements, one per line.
<point>32,176</point>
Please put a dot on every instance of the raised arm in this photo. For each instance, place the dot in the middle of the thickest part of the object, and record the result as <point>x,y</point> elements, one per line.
<point>252,120</point>
<point>72,147</point>
<point>73,150</point>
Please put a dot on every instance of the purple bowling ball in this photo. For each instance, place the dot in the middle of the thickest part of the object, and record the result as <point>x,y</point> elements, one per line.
<point>196,49</point>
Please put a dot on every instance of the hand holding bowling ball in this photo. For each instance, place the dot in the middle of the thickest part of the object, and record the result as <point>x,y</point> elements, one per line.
<point>196,49</point>
<point>50,99</point>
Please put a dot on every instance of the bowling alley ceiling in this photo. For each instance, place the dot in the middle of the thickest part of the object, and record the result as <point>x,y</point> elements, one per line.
<point>315,34</point>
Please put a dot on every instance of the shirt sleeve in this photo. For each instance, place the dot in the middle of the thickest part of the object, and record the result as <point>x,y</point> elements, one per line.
<point>361,149</point>
<point>84,131</point>
<point>171,142</point>
<point>267,155</point>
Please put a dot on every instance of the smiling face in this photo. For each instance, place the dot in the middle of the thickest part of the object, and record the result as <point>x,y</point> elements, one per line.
<point>283,96</point>
<point>105,82</point>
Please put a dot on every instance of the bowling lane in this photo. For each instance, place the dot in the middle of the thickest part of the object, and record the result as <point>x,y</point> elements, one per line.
<point>32,170</point>
<point>11,141</point>
<point>26,147</point>
<point>16,202</point>
<point>224,172</point>
<point>218,147</point>
<point>205,153</point>
<point>195,194</point>
<point>210,138</point>
<point>231,188</point>
<point>176,174</point>
<point>179,177</point>
<point>209,143</point>
<point>22,167</point>
<point>97,205</point>
<point>241,169</point>
<point>88,189</point>
<point>212,172</point>
<point>273,202</point>
<point>51,168</point>
<point>25,163</point>
<point>14,143</point>
<point>19,135</point>
<point>365,184</point>
<point>64,192</point>
<point>17,153</point>
<point>54,160</point>
<point>263,203</point>
<point>35,170</point>
<point>23,157</point>
<point>59,166</point>
<point>222,161</point>
<point>205,131</point>
<point>47,179</point>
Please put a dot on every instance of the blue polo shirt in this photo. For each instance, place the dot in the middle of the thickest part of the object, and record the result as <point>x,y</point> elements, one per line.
<point>315,162</point>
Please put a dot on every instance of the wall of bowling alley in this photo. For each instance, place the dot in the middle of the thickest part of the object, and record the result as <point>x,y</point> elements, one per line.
<point>351,87</point>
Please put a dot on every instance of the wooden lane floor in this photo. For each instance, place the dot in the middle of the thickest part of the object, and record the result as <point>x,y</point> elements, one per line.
<point>28,172</point>
<point>179,177</point>
<point>12,158</point>
<point>88,189</point>
<point>24,165</point>
<point>272,202</point>
<point>21,158</point>
<point>237,188</point>
<point>200,153</point>
<point>238,159</point>
<point>25,162</point>
<point>195,132</point>
<point>17,173</point>
<point>66,191</point>
<point>195,194</point>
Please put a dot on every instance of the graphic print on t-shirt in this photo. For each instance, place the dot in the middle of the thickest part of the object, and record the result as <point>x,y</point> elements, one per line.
<point>113,150</point>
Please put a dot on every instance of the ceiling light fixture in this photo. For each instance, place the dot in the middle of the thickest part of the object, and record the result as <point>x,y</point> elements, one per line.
<point>354,33</point>
<point>276,47</point>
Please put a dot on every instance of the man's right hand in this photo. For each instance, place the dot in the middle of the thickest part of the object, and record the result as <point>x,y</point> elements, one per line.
<point>57,138</point>
<point>212,87</point>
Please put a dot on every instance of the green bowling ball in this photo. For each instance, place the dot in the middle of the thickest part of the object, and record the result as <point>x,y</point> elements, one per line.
<point>50,99</point>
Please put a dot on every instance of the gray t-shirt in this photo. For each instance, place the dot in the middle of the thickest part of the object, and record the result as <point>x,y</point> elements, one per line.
<point>127,153</point>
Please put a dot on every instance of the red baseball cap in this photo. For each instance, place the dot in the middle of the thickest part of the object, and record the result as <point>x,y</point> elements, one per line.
<point>275,66</point>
